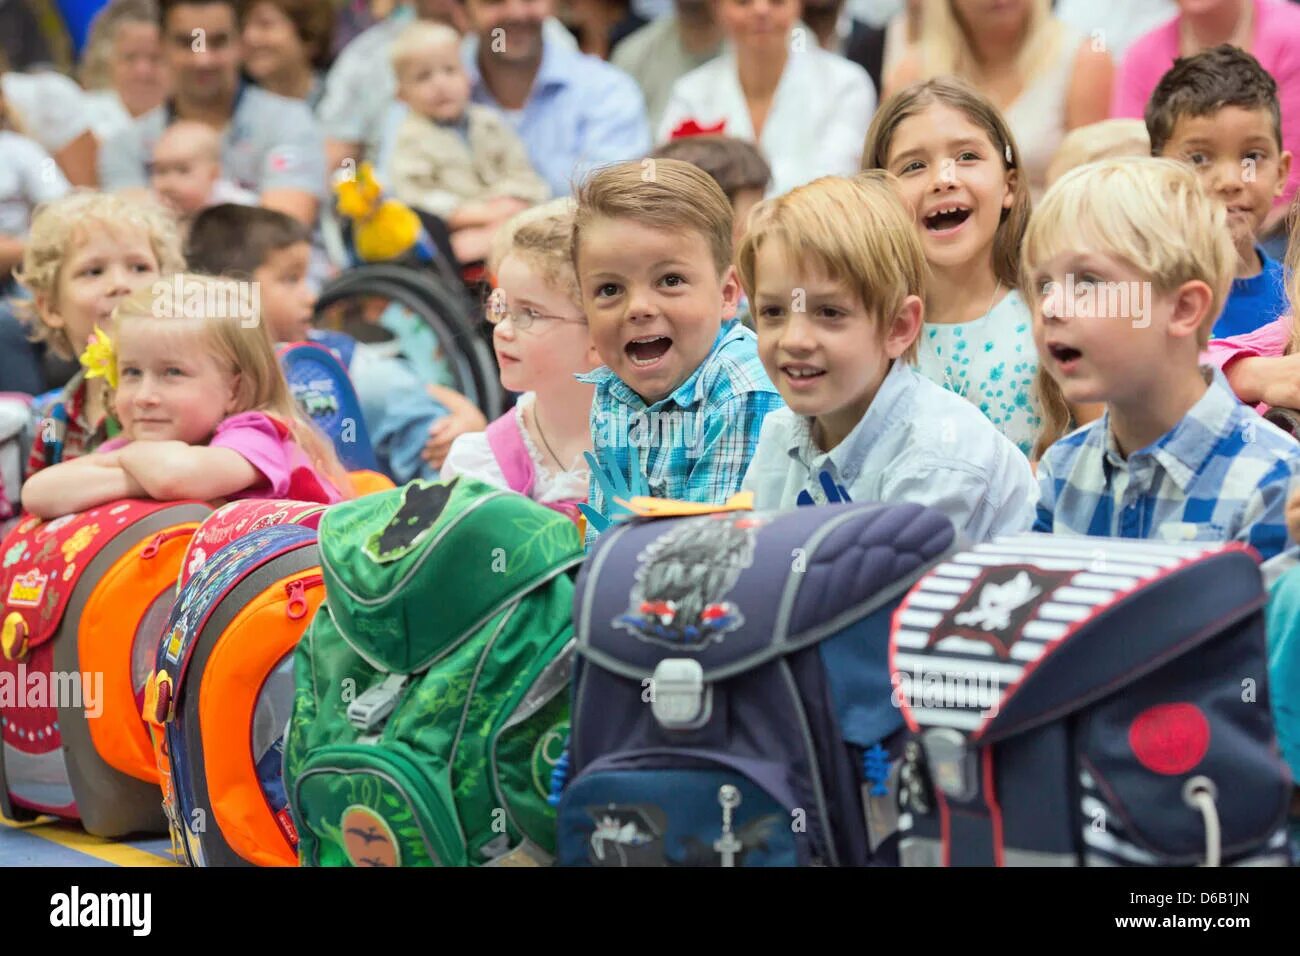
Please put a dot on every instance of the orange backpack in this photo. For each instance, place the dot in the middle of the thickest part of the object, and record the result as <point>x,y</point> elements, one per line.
<point>85,597</point>
<point>222,688</point>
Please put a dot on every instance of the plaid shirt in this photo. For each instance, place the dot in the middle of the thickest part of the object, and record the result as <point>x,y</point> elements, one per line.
<point>695,444</point>
<point>1222,473</point>
<point>74,435</point>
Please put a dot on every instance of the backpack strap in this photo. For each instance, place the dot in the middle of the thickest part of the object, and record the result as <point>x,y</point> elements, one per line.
<point>512,454</point>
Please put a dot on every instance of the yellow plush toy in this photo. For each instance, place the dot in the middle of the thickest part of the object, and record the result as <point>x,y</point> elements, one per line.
<point>382,228</point>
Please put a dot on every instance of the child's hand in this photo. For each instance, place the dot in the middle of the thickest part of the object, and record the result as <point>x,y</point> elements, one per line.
<point>1293,515</point>
<point>464,417</point>
<point>613,485</point>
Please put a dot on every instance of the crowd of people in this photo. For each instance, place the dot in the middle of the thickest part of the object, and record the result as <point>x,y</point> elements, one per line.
<point>1026,263</point>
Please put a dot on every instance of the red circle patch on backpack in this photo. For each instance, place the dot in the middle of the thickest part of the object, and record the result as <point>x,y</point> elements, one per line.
<point>1170,738</point>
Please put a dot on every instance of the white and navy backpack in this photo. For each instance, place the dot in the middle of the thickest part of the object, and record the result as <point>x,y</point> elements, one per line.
<point>1088,701</point>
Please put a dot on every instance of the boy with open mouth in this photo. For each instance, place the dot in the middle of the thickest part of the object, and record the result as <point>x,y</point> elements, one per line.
<point>680,400</point>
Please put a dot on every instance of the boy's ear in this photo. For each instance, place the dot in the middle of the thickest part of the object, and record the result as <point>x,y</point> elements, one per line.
<point>1191,305</point>
<point>905,326</point>
<point>730,293</point>
<point>45,308</point>
<point>1283,172</point>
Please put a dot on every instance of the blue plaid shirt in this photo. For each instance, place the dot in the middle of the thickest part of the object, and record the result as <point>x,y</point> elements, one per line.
<point>1221,474</point>
<point>695,444</point>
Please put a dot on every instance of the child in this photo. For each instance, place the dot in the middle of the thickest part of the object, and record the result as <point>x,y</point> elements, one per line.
<point>205,411</point>
<point>736,165</point>
<point>186,171</point>
<point>85,253</point>
<point>274,250</point>
<point>459,161</point>
<point>681,396</point>
<point>541,340</point>
<point>1218,111</point>
<point>835,273</point>
<point>1175,456</point>
<point>959,171</point>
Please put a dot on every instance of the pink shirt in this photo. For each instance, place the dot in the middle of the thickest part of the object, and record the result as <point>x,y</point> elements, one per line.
<point>1267,341</point>
<point>1275,43</point>
<point>267,445</point>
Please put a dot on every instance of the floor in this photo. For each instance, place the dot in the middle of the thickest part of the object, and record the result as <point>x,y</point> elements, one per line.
<point>50,842</point>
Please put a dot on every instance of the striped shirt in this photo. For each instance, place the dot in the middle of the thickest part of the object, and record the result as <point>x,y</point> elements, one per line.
<point>695,444</point>
<point>1221,474</point>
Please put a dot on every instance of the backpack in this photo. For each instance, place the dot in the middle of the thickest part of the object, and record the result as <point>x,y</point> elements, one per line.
<point>1089,701</point>
<point>431,686</point>
<point>85,597</point>
<point>758,642</point>
<point>321,387</point>
<point>15,443</point>
<point>517,464</point>
<point>221,693</point>
<point>241,517</point>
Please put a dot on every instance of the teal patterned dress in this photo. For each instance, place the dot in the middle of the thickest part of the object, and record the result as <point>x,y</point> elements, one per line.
<point>992,363</point>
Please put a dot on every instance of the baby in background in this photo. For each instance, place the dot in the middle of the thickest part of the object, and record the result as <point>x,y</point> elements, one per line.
<point>186,171</point>
<point>456,160</point>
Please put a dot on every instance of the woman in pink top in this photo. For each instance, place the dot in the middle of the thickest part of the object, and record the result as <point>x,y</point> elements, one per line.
<point>1267,29</point>
<point>205,410</point>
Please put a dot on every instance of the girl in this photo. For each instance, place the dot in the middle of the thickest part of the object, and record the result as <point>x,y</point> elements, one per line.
<point>83,255</point>
<point>205,411</point>
<point>959,170</point>
<point>541,341</point>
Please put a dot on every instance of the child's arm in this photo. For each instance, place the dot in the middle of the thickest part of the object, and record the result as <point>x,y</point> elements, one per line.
<point>463,416</point>
<point>173,470</point>
<point>516,178</point>
<point>78,484</point>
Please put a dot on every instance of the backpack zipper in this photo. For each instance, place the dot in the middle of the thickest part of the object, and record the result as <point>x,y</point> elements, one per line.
<point>294,590</point>
<point>151,549</point>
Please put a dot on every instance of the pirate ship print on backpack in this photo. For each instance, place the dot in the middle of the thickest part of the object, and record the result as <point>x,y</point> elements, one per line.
<point>683,578</point>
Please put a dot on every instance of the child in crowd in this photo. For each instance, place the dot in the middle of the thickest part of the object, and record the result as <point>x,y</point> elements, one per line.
<point>681,397</point>
<point>457,160</point>
<point>1218,111</point>
<point>1175,456</point>
<point>836,276</point>
<point>959,171</point>
<point>273,249</point>
<point>186,171</point>
<point>736,165</point>
<point>85,253</point>
<point>206,412</point>
<point>541,340</point>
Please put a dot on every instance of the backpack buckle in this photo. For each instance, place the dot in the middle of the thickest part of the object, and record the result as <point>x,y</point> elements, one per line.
<point>951,763</point>
<point>679,698</point>
<point>373,707</point>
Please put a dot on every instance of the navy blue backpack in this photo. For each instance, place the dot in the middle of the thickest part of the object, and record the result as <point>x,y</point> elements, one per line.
<point>731,702</point>
<point>321,387</point>
<point>1088,701</point>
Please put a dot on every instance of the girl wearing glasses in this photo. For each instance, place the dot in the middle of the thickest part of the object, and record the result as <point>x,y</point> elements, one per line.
<point>541,341</point>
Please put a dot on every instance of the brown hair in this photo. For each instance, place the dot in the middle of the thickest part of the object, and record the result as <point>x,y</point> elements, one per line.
<point>313,21</point>
<point>665,194</point>
<point>236,241</point>
<point>734,164</point>
<point>1292,273</point>
<point>1203,84</point>
<point>960,96</point>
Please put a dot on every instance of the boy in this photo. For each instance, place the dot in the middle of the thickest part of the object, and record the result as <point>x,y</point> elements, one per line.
<point>835,272</point>
<point>273,249</point>
<point>735,165</point>
<point>1219,112</point>
<point>186,171</point>
<point>459,161</point>
<point>680,400</point>
<point>1145,258</point>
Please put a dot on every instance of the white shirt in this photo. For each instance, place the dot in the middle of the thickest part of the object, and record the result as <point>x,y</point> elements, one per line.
<point>1115,23</point>
<point>28,177</point>
<point>917,443</point>
<point>817,123</point>
<point>105,113</point>
<point>50,108</point>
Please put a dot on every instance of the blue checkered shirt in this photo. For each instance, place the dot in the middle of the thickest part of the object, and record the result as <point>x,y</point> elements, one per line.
<point>695,444</point>
<point>1221,474</point>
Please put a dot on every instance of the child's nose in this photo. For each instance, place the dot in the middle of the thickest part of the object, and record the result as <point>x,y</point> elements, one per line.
<point>1228,177</point>
<point>639,304</point>
<point>796,337</point>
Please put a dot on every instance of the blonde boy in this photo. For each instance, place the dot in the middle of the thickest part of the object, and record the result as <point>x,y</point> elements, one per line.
<point>1130,261</point>
<point>681,397</point>
<point>835,273</point>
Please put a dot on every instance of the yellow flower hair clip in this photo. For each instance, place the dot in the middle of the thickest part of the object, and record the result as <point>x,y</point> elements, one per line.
<point>100,358</point>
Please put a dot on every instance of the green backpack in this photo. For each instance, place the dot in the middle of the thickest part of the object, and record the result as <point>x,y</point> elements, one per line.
<point>432,687</point>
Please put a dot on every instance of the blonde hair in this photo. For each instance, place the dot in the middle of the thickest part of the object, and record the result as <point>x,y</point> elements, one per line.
<point>859,231</point>
<point>946,49</point>
<point>244,348</point>
<point>60,226</point>
<point>541,237</point>
<point>420,37</point>
<point>199,134</point>
<point>103,32</point>
<point>1152,213</point>
<point>975,106</point>
<point>1108,139</point>
<point>1291,269</point>
<point>664,194</point>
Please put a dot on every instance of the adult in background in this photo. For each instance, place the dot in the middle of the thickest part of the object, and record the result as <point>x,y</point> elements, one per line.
<point>807,110</point>
<point>123,70</point>
<point>665,50</point>
<point>1269,30</point>
<point>51,109</point>
<point>1044,76</point>
<point>270,144</point>
<point>287,46</point>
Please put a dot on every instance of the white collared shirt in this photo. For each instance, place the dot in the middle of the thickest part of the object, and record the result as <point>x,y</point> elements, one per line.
<point>918,443</point>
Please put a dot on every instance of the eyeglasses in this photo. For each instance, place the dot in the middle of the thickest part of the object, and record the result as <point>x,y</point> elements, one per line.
<point>498,311</point>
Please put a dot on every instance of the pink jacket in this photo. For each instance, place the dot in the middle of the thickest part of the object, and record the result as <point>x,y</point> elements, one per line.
<point>1267,341</point>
